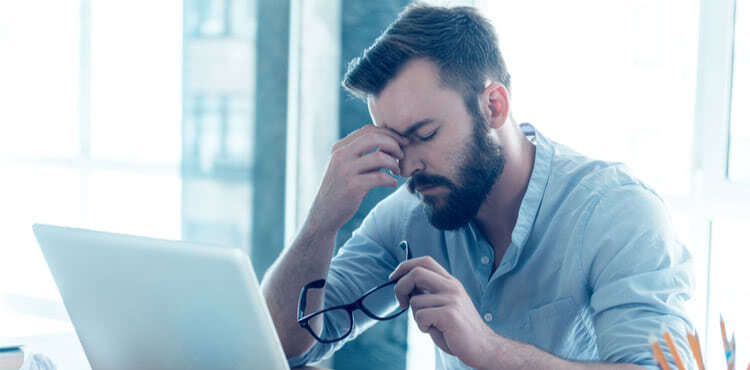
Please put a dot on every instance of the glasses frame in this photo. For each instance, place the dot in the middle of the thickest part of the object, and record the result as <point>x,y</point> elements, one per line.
<point>304,320</point>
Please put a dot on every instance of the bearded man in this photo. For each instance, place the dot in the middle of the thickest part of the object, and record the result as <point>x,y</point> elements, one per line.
<point>511,250</point>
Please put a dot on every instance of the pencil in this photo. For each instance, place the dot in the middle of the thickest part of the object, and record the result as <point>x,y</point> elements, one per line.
<point>724,340</point>
<point>733,358</point>
<point>672,348</point>
<point>728,350</point>
<point>695,347</point>
<point>657,352</point>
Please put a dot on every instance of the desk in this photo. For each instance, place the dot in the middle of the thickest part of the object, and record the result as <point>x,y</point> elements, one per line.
<point>63,349</point>
<point>52,337</point>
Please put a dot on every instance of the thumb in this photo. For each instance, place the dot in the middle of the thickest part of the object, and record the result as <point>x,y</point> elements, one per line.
<point>439,340</point>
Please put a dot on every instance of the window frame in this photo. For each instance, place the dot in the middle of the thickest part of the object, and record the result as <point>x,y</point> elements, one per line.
<point>715,195</point>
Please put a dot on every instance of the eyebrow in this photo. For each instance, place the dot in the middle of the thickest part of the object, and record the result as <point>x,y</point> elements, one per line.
<point>414,127</point>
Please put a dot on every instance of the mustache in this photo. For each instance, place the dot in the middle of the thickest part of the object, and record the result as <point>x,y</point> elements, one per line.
<point>420,180</point>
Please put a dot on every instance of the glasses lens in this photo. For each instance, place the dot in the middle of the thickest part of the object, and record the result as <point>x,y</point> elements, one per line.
<point>382,303</point>
<point>341,320</point>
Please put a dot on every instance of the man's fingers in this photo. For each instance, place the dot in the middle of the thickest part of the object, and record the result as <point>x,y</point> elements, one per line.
<point>426,262</point>
<point>421,301</point>
<point>369,130</point>
<point>427,321</point>
<point>439,318</point>
<point>369,150</point>
<point>439,340</point>
<point>425,318</point>
<point>419,278</point>
<point>367,181</point>
<point>400,139</point>
<point>375,161</point>
<point>370,143</point>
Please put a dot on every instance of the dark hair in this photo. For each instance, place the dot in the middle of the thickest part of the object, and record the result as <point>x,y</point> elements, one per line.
<point>460,41</point>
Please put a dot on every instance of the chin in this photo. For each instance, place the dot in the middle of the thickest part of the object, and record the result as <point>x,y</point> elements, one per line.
<point>432,201</point>
<point>443,219</point>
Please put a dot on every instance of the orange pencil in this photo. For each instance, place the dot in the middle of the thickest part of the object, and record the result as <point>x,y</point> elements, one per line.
<point>728,347</point>
<point>733,357</point>
<point>672,348</point>
<point>724,340</point>
<point>695,346</point>
<point>657,352</point>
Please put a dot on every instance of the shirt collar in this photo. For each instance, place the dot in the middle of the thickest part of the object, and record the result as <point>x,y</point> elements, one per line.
<point>532,199</point>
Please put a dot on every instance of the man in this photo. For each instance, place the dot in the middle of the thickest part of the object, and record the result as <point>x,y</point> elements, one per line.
<point>526,254</point>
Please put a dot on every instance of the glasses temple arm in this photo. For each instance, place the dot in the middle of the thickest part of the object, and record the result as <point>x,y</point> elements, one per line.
<point>405,246</point>
<point>302,303</point>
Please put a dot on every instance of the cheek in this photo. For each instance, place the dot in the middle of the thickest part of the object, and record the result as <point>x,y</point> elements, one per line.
<point>447,160</point>
<point>461,158</point>
<point>447,153</point>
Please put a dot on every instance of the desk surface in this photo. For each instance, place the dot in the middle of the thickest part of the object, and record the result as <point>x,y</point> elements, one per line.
<point>63,349</point>
<point>54,338</point>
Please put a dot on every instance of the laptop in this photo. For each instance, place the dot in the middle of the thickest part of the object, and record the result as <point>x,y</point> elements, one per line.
<point>144,303</point>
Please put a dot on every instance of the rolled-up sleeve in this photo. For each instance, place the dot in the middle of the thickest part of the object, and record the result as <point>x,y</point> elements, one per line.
<point>640,276</point>
<point>363,262</point>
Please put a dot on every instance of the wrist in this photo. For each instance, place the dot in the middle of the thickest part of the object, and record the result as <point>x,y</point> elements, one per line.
<point>510,354</point>
<point>318,229</point>
<point>495,347</point>
<point>503,353</point>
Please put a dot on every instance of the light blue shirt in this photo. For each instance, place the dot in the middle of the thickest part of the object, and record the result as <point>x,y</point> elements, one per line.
<point>593,267</point>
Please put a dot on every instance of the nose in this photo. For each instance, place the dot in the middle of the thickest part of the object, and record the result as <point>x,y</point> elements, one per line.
<point>411,163</point>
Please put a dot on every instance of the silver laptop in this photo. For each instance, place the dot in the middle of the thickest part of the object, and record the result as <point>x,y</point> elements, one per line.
<point>142,303</point>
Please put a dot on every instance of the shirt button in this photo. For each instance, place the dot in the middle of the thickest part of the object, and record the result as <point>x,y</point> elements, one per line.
<point>488,317</point>
<point>485,260</point>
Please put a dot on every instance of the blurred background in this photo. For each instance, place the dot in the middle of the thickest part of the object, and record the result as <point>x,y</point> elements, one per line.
<point>212,120</point>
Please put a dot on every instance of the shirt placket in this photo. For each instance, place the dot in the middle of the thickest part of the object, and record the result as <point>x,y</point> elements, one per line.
<point>486,260</point>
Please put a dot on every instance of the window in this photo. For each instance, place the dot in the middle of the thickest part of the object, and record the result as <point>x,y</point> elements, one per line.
<point>219,121</point>
<point>609,79</point>
<point>90,128</point>
<point>739,147</point>
<point>730,298</point>
<point>138,118</point>
<point>722,89</point>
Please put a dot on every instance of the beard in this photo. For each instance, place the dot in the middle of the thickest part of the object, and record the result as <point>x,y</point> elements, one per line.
<point>481,161</point>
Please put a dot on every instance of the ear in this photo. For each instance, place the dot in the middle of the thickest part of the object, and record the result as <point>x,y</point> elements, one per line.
<point>495,104</point>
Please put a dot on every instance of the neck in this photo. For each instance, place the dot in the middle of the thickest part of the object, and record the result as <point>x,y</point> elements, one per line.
<point>498,214</point>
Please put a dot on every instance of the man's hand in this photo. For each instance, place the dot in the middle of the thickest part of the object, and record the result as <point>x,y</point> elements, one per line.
<point>442,308</point>
<point>354,169</point>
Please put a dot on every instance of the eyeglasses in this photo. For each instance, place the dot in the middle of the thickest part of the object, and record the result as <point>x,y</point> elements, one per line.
<point>378,303</point>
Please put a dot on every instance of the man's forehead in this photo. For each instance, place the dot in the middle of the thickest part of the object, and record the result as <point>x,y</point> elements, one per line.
<point>400,116</point>
<point>376,112</point>
<point>404,124</point>
<point>407,97</point>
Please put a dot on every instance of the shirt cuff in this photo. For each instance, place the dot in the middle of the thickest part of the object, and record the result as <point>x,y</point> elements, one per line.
<point>300,360</point>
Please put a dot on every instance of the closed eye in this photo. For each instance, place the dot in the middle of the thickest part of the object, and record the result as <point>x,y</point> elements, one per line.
<point>428,137</point>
